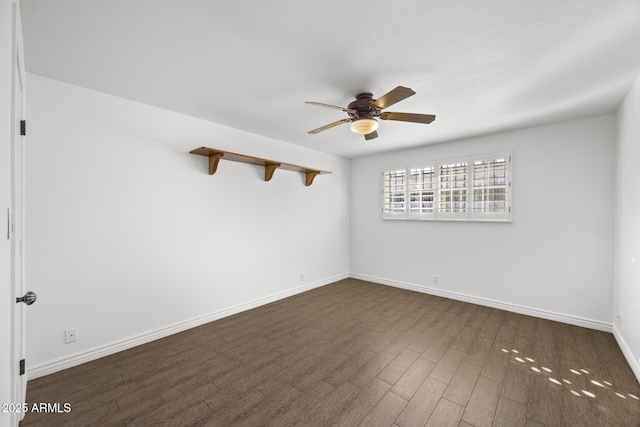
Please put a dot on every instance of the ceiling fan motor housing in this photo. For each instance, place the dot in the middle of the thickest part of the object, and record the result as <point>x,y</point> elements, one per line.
<point>364,108</point>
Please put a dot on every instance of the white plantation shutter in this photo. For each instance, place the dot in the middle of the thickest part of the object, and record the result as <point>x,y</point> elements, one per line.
<point>491,184</point>
<point>395,193</point>
<point>452,188</point>
<point>476,188</point>
<point>422,186</point>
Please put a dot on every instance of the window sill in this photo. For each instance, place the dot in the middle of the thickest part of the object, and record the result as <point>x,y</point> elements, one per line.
<point>450,219</point>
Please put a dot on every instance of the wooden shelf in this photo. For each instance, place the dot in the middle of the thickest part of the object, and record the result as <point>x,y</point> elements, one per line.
<point>270,166</point>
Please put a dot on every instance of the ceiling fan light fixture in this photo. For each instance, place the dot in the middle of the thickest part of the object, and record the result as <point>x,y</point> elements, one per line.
<point>364,126</point>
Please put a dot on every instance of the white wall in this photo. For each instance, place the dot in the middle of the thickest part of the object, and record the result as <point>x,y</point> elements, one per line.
<point>626,290</point>
<point>554,260</point>
<point>129,238</point>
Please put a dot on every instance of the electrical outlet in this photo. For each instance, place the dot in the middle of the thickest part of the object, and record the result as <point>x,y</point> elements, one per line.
<point>301,277</point>
<point>619,316</point>
<point>435,279</point>
<point>71,335</point>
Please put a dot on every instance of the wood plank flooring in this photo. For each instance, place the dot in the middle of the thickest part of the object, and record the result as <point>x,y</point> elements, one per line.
<point>355,353</point>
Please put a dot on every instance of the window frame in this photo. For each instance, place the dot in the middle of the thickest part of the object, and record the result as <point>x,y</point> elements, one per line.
<point>503,190</point>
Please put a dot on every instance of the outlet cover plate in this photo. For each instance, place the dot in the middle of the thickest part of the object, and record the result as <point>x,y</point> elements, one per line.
<point>71,335</point>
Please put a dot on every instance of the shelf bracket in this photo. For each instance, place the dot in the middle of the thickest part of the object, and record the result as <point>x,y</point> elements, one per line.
<point>214,159</point>
<point>269,169</point>
<point>310,175</point>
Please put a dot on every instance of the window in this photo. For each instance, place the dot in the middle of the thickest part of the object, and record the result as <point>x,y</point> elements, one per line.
<point>421,191</point>
<point>476,188</point>
<point>452,186</point>
<point>395,192</point>
<point>490,186</point>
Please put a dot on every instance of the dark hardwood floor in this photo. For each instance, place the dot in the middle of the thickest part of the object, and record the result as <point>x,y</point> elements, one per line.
<point>355,353</point>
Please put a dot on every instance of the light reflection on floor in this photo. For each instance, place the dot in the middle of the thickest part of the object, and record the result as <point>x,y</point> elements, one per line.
<point>607,386</point>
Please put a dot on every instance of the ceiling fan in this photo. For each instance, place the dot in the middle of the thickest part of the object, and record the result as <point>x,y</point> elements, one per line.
<point>364,111</point>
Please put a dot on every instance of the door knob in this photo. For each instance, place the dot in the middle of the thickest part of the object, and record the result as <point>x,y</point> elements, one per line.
<point>28,298</point>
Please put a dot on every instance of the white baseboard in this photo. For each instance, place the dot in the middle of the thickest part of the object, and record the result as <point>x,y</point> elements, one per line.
<point>628,354</point>
<point>79,358</point>
<point>515,308</point>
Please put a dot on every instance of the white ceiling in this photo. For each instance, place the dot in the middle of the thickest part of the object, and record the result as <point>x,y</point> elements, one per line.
<point>479,66</point>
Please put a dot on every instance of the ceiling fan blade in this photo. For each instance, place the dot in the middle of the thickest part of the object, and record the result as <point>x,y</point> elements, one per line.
<point>408,117</point>
<point>371,135</point>
<point>329,126</point>
<point>395,95</point>
<point>335,107</point>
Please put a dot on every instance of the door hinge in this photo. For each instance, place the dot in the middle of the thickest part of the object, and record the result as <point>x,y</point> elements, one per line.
<point>23,127</point>
<point>22,367</point>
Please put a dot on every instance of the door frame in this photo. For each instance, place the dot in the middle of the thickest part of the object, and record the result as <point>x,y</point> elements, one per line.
<point>17,267</point>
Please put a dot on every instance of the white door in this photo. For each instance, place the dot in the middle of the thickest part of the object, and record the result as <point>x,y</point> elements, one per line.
<point>17,248</point>
<point>17,203</point>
